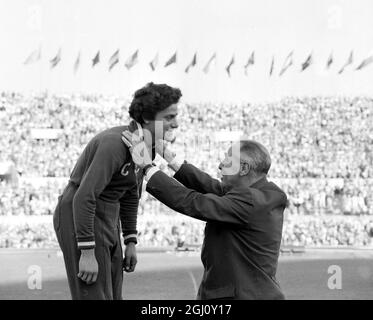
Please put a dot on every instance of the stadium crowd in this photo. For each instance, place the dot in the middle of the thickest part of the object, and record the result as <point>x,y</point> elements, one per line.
<point>321,150</point>
<point>170,231</point>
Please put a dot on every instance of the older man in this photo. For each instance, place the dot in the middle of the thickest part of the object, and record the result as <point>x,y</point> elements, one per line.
<point>244,215</point>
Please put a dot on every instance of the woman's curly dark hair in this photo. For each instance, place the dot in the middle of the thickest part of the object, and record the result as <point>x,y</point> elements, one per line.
<point>151,99</point>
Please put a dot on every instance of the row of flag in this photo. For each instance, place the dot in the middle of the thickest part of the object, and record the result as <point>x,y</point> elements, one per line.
<point>154,63</point>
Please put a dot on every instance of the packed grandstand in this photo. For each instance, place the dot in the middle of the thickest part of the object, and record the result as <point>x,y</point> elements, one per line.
<point>321,150</point>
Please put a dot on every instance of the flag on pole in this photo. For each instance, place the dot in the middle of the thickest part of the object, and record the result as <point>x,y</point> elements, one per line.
<point>348,62</point>
<point>114,59</point>
<point>77,63</point>
<point>153,64</point>
<point>272,66</point>
<point>33,57</point>
<point>365,62</point>
<point>287,63</point>
<point>96,59</point>
<point>307,63</point>
<point>192,63</point>
<point>171,60</point>
<point>132,60</point>
<point>206,69</point>
<point>228,67</point>
<point>55,61</point>
<point>250,62</point>
<point>330,61</point>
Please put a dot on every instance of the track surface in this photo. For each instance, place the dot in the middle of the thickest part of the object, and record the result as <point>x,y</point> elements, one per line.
<point>177,275</point>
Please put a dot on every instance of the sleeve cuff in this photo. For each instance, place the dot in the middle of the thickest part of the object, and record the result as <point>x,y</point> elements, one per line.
<point>150,173</point>
<point>176,163</point>
<point>179,169</point>
<point>85,245</point>
<point>130,238</point>
<point>85,242</point>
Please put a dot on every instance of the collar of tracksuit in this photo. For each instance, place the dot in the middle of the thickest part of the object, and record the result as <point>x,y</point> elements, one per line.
<point>133,126</point>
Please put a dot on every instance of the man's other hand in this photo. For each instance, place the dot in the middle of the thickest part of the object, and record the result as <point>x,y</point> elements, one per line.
<point>130,258</point>
<point>88,266</point>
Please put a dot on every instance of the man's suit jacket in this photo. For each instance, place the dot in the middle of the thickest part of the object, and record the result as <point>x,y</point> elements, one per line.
<point>242,235</point>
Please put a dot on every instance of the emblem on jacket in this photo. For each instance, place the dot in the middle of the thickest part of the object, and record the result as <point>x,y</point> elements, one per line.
<point>125,169</point>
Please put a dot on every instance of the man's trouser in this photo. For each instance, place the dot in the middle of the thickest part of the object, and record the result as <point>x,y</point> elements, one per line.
<point>108,250</point>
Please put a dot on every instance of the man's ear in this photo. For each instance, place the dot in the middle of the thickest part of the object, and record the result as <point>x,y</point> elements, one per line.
<point>244,169</point>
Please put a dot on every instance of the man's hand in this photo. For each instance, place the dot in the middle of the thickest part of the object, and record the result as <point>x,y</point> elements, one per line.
<point>88,266</point>
<point>139,150</point>
<point>130,257</point>
<point>162,148</point>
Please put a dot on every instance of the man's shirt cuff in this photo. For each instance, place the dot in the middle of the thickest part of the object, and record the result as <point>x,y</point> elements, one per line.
<point>176,163</point>
<point>150,173</point>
